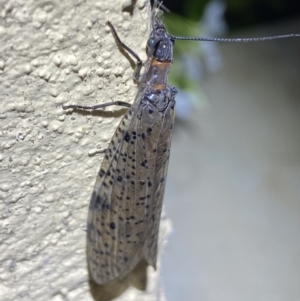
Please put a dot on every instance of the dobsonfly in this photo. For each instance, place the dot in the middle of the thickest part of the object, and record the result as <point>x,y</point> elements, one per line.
<point>125,208</point>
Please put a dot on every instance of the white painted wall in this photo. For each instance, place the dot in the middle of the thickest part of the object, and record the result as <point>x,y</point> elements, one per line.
<point>52,53</point>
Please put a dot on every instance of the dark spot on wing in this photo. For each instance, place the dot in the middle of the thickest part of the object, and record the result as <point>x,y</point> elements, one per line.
<point>127,137</point>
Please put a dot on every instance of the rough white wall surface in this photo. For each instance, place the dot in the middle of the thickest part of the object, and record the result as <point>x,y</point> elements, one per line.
<point>52,53</point>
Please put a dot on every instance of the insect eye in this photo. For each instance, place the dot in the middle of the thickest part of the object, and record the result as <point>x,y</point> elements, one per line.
<point>150,43</point>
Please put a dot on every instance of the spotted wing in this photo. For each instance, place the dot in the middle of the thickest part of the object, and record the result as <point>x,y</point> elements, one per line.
<point>160,168</point>
<point>125,207</point>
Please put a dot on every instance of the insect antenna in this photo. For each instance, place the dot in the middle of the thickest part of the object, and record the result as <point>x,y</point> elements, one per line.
<point>158,4</point>
<point>236,40</point>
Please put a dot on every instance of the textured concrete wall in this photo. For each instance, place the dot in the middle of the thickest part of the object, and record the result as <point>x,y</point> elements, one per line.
<point>56,52</point>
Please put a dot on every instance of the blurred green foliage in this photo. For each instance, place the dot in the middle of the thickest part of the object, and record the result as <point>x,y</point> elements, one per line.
<point>239,13</point>
<point>179,26</point>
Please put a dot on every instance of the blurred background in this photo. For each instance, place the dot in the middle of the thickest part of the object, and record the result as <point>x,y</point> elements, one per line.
<point>233,189</point>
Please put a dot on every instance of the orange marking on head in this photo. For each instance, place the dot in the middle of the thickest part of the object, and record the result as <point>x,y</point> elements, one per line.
<point>161,65</point>
<point>159,87</point>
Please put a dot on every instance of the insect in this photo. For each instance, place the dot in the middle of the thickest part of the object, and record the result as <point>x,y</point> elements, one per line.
<point>125,208</point>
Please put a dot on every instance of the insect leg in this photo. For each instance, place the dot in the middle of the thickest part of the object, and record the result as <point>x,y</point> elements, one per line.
<point>100,106</point>
<point>139,63</point>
